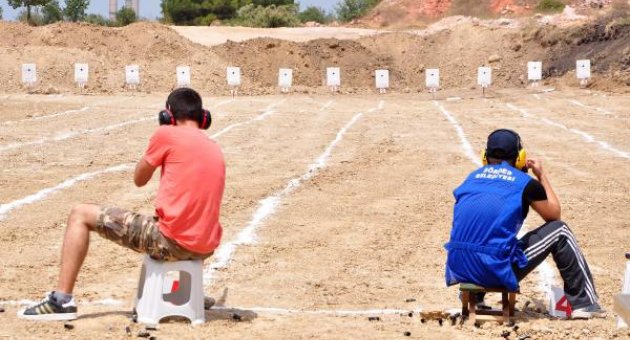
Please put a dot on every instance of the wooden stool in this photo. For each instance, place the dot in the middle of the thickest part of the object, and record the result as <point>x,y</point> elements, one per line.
<point>469,304</point>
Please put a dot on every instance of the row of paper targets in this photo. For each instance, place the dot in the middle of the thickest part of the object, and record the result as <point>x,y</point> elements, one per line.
<point>285,75</point>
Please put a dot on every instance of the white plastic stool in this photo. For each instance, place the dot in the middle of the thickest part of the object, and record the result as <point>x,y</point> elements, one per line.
<point>187,301</point>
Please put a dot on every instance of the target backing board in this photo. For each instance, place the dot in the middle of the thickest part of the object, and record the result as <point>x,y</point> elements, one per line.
<point>81,73</point>
<point>183,76</point>
<point>132,74</point>
<point>234,76</point>
<point>484,76</point>
<point>285,77</point>
<point>432,78</point>
<point>382,79</point>
<point>583,69</point>
<point>333,77</point>
<point>29,73</point>
<point>534,70</point>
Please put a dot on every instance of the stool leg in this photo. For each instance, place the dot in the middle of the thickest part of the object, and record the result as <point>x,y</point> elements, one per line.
<point>465,297</point>
<point>506,307</point>
<point>512,298</point>
<point>472,307</point>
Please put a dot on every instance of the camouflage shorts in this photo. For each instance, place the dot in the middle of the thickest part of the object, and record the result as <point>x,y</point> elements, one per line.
<point>142,234</point>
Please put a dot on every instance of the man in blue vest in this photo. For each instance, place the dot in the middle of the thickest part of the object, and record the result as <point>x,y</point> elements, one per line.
<point>490,208</point>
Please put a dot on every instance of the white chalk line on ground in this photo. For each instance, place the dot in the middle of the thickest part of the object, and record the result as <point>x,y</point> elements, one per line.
<point>590,108</point>
<point>71,134</point>
<point>329,312</point>
<point>327,105</point>
<point>587,137</point>
<point>63,113</point>
<point>85,108</point>
<point>258,310</point>
<point>268,205</point>
<point>267,112</point>
<point>544,280</point>
<point>40,195</point>
<point>468,150</point>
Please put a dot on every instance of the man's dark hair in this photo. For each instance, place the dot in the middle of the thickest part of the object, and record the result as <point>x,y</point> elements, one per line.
<point>185,104</point>
<point>495,161</point>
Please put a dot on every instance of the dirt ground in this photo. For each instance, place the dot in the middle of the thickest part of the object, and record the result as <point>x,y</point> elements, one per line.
<point>358,235</point>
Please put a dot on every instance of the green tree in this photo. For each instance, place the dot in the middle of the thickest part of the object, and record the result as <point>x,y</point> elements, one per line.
<point>28,4</point>
<point>75,9</point>
<point>349,10</point>
<point>315,14</point>
<point>0,13</point>
<point>126,16</point>
<point>37,19</point>
<point>52,12</point>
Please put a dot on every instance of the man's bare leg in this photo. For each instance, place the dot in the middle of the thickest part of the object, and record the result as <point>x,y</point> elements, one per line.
<point>76,241</point>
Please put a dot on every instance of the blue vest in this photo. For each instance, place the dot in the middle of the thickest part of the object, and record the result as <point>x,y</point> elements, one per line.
<point>487,217</point>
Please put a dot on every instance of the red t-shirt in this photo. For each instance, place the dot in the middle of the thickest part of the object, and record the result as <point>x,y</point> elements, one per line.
<point>191,186</point>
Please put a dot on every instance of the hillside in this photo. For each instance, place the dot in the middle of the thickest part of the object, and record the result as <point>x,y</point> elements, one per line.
<point>404,13</point>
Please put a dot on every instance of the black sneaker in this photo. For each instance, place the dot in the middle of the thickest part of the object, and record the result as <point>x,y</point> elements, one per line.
<point>50,310</point>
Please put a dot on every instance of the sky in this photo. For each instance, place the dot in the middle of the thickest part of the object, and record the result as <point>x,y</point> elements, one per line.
<point>150,9</point>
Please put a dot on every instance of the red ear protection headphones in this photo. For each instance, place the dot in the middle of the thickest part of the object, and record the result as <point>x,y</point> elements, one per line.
<point>166,117</point>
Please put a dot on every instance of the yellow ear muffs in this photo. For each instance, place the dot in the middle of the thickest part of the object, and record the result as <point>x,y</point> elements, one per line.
<point>521,160</point>
<point>484,158</point>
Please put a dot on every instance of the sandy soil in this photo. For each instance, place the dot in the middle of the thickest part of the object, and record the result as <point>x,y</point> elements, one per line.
<point>362,233</point>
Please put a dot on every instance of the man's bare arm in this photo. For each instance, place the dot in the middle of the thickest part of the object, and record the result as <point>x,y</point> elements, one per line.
<point>549,209</point>
<point>143,173</point>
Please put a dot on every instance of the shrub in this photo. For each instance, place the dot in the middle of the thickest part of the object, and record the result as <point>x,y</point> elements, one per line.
<point>270,16</point>
<point>550,6</point>
<point>126,16</point>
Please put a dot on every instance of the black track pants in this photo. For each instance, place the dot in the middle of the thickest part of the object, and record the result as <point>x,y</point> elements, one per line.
<point>556,238</point>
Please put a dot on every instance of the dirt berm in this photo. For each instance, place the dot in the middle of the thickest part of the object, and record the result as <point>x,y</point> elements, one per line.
<point>457,50</point>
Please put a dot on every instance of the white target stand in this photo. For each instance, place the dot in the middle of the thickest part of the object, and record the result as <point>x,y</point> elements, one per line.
<point>132,76</point>
<point>81,75</point>
<point>333,78</point>
<point>381,78</point>
<point>183,76</point>
<point>432,81</point>
<point>29,75</point>
<point>285,79</point>
<point>534,73</point>
<point>484,79</point>
<point>233,79</point>
<point>625,292</point>
<point>583,71</point>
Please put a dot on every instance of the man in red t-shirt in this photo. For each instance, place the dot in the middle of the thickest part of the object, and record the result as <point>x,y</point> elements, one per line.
<point>186,222</point>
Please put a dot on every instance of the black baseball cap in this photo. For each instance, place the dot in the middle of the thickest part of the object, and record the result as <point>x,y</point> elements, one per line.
<point>503,144</point>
